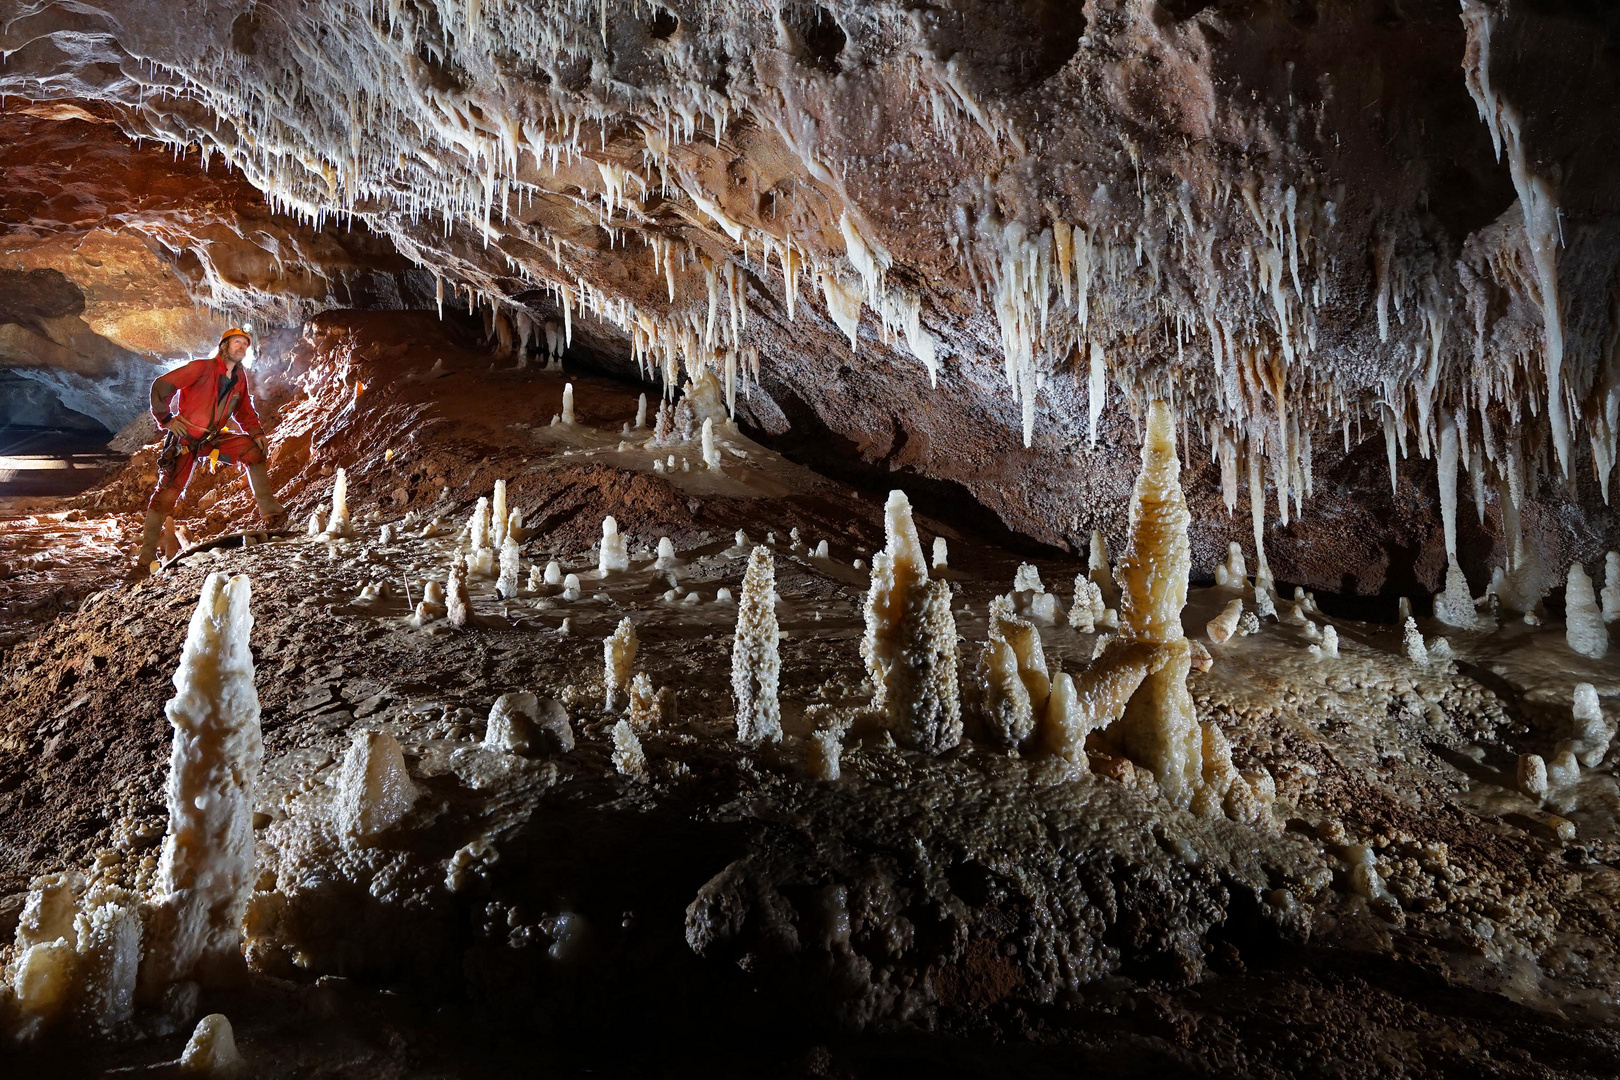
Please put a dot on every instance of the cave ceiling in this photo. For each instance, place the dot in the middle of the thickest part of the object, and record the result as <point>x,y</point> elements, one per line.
<point>958,241</point>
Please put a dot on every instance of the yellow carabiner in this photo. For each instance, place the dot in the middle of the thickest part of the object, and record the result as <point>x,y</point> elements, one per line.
<point>213,461</point>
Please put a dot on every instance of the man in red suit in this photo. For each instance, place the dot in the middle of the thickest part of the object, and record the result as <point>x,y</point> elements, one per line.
<point>213,392</point>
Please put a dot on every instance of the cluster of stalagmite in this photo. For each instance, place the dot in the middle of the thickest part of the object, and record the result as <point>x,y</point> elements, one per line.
<point>1133,697</point>
<point>91,956</point>
<point>910,641</point>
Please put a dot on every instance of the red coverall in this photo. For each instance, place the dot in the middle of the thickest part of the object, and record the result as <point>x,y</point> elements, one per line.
<point>205,413</point>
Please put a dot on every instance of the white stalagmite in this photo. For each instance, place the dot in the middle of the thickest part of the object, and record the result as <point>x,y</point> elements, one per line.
<point>1160,727</point>
<point>1412,642</point>
<point>337,522</point>
<point>1012,675</point>
<point>1224,625</point>
<point>107,941</point>
<point>554,575</point>
<point>457,604</point>
<point>568,403</point>
<point>506,586</point>
<point>1593,733</point>
<point>1098,568</point>
<point>910,640</point>
<point>571,587</point>
<point>1329,645</point>
<point>478,525</point>
<point>1611,587</point>
<point>374,790</point>
<point>614,554</point>
<point>641,412</point>
<point>1265,607</point>
<point>521,723</point>
<point>826,750</point>
<point>1455,606</point>
<point>628,757</point>
<point>1584,628</point>
<point>1033,601</point>
<point>756,665</point>
<point>1234,572</point>
<point>207,870</point>
<point>942,555</point>
<point>497,516</point>
<point>711,452</point>
<point>666,555</point>
<point>211,1050</point>
<point>1087,609</point>
<point>618,657</point>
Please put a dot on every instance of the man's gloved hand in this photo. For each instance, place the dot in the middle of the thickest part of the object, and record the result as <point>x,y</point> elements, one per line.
<point>263,444</point>
<point>176,425</point>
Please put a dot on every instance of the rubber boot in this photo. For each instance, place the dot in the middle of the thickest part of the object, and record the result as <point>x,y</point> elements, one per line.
<point>270,511</point>
<point>151,532</point>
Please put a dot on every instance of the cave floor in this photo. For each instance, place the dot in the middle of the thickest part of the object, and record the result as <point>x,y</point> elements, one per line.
<point>1400,909</point>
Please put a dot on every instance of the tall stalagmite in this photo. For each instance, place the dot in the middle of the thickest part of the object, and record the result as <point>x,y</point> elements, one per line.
<point>756,666</point>
<point>207,870</point>
<point>910,640</point>
<point>1160,727</point>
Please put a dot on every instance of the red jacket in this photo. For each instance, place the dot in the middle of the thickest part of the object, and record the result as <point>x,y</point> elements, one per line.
<point>201,406</point>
